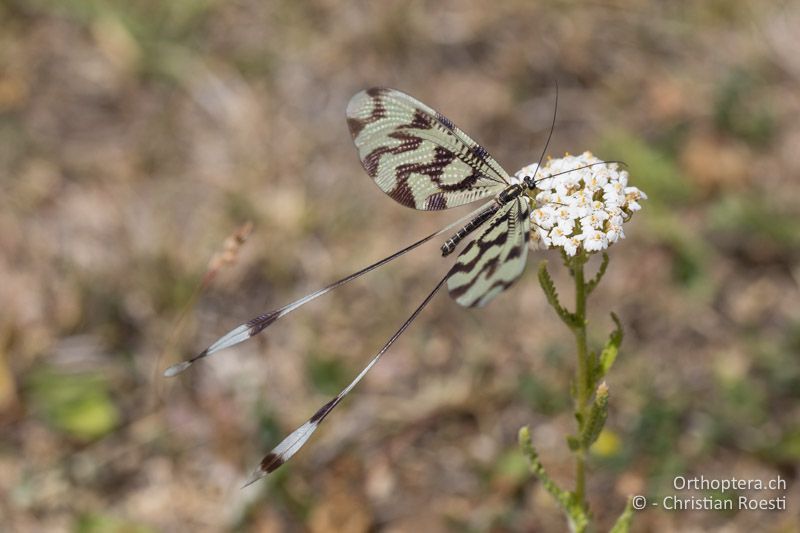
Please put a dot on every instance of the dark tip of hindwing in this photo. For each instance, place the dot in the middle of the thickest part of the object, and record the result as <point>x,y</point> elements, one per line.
<point>270,463</point>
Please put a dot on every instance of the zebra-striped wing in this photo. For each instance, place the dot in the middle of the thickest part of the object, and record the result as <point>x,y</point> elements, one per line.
<point>494,259</point>
<point>416,155</point>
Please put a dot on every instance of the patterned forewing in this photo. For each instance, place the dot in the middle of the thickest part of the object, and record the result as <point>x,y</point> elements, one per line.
<point>416,155</point>
<point>494,259</point>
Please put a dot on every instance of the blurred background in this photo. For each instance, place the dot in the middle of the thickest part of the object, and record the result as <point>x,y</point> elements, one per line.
<point>136,137</point>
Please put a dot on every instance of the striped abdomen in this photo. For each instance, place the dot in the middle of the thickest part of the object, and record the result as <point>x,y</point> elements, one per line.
<point>469,227</point>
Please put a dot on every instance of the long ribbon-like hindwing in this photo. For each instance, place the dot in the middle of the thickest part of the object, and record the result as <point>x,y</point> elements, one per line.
<point>256,325</point>
<point>295,440</point>
<point>495,259</point>
<point>416,155</point>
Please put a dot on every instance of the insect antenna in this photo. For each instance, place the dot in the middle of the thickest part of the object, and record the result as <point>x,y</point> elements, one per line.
<point>549,136</point>
<point>534,182</point>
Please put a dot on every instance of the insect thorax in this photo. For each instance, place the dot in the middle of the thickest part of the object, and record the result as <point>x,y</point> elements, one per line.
<point>510,193</point>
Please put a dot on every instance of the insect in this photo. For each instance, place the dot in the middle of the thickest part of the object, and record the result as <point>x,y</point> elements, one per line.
<point>420,159</point>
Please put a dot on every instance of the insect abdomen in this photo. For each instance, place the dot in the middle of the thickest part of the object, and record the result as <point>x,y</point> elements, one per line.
<point>469,227</point>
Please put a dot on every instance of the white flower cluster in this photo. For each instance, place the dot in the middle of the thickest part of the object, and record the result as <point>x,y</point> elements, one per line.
<point>580,209</point>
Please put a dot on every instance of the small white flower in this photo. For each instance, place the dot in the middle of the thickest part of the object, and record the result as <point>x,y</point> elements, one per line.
<point>614,233</point>
<point>558,236</point>
<point>579,209</point>
<point>544,216</point>
<point>594,240</point>
<point>566,226</point>
<point>565,214</point>
<point>595,219</point>
<point>563,240</point>
<point>571,246</point>
<point>632,197</point>
<point>544,197</point>
<point>616,218</point>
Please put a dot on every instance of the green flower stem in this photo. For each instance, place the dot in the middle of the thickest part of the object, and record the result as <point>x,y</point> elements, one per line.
<point>590,399</point>
<point>583,385</point>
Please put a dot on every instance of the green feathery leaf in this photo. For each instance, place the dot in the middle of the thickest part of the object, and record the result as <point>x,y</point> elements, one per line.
<point>550,292</point>
<point>611,349</point>
<point>597,417</point>
<point>526,445</point>
<point>597,277</point>
<point>576,514</point>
